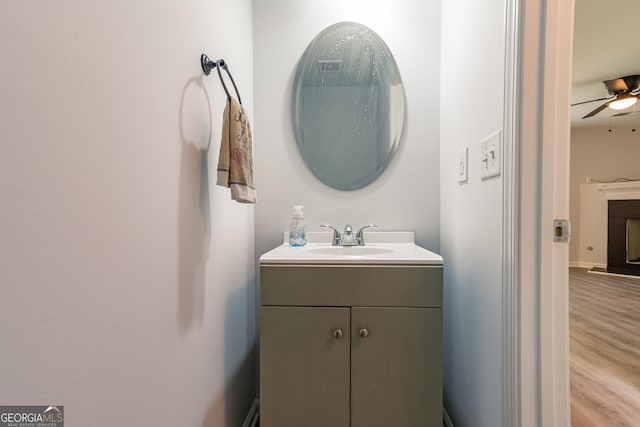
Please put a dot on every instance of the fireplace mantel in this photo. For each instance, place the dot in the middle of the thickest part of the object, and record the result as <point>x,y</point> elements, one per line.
<point>628,190</point>
<point>591,239</point>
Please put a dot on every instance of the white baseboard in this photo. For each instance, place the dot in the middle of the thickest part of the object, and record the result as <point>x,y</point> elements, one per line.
<point>445,418</point>
<point>583,264</point>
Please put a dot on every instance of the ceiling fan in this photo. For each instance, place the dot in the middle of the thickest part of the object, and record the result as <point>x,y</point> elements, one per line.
<point>624,91</point>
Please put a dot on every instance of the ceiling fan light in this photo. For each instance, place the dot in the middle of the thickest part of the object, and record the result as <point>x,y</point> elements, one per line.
<point>623,102</point>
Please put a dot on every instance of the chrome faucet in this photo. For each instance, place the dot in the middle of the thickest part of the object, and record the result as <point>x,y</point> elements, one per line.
<point>335,241</point>
<point>360,234</point>
<point>347,238</point>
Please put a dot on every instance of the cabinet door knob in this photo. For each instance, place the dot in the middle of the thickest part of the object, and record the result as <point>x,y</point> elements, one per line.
<point>337,333</point>
<point>363,333</point>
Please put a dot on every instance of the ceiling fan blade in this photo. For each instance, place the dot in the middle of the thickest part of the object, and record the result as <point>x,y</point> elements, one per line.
<point>592,100</point>
<point>596,111</point>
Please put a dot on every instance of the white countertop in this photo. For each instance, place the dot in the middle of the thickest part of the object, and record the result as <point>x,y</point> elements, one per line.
<point>381,248</point>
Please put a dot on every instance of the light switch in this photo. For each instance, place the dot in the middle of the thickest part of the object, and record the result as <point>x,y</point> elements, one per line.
<point>463,156</point>
<point>490,155</point>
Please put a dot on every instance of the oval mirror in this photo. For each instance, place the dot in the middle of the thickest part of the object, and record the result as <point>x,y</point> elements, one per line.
<point>347,106</point>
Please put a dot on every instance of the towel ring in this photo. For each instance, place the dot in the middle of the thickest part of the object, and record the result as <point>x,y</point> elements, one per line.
<point>208,65</point>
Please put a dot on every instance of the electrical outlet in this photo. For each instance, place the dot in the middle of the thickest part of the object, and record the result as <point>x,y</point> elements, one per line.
<point>490,155</point>
<point>463,156</point>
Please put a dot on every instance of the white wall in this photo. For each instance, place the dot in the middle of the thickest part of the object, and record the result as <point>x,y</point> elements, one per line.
<point>406,196</point>
<point>126,276</point>
<point>473,40</point>
<point>602,156</point>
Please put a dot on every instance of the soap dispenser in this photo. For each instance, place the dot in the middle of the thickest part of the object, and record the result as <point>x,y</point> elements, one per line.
<point>297,228</point>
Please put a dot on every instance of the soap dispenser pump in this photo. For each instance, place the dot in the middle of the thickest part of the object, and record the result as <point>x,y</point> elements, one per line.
<point>297,228</point>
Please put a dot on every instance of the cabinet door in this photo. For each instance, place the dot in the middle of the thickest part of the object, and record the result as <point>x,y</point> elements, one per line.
<point>396,369</point>
<point>304,368</point>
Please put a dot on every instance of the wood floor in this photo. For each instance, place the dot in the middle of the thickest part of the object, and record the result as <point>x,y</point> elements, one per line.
<point>604,349</point>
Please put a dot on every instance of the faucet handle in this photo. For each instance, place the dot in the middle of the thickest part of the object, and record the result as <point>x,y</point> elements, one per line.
<point>360,234</point>
<point>336,234</point>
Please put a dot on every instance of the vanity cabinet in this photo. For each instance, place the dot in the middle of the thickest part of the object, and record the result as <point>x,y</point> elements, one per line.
<point>357,346</point>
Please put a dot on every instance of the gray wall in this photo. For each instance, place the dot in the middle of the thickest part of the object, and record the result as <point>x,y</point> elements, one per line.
<point>126,276</point>
<point>472,70</point>
<point>406,197</point>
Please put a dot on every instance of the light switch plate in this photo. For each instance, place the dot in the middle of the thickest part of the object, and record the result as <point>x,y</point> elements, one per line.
<point>490,155</point>
<point>463,156</point>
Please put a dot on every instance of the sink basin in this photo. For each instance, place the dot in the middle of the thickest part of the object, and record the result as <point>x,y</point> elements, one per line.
<point>350,251</point>
<point>382,248</point>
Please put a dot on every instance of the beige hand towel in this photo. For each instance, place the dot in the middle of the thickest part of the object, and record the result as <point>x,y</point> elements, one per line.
<point>235,164</point>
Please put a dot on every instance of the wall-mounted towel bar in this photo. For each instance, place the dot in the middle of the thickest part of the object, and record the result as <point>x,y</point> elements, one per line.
<point>208,65</point>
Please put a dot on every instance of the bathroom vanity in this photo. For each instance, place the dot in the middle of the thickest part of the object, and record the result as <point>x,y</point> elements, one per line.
<point>351,336</point>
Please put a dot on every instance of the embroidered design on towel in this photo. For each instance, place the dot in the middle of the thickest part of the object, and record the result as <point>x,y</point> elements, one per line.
<point>235,164</point>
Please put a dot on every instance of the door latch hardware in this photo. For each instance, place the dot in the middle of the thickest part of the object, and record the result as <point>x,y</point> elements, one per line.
<point>561,230</point>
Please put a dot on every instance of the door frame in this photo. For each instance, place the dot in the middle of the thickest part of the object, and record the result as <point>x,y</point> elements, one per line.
<point>538,63</point>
